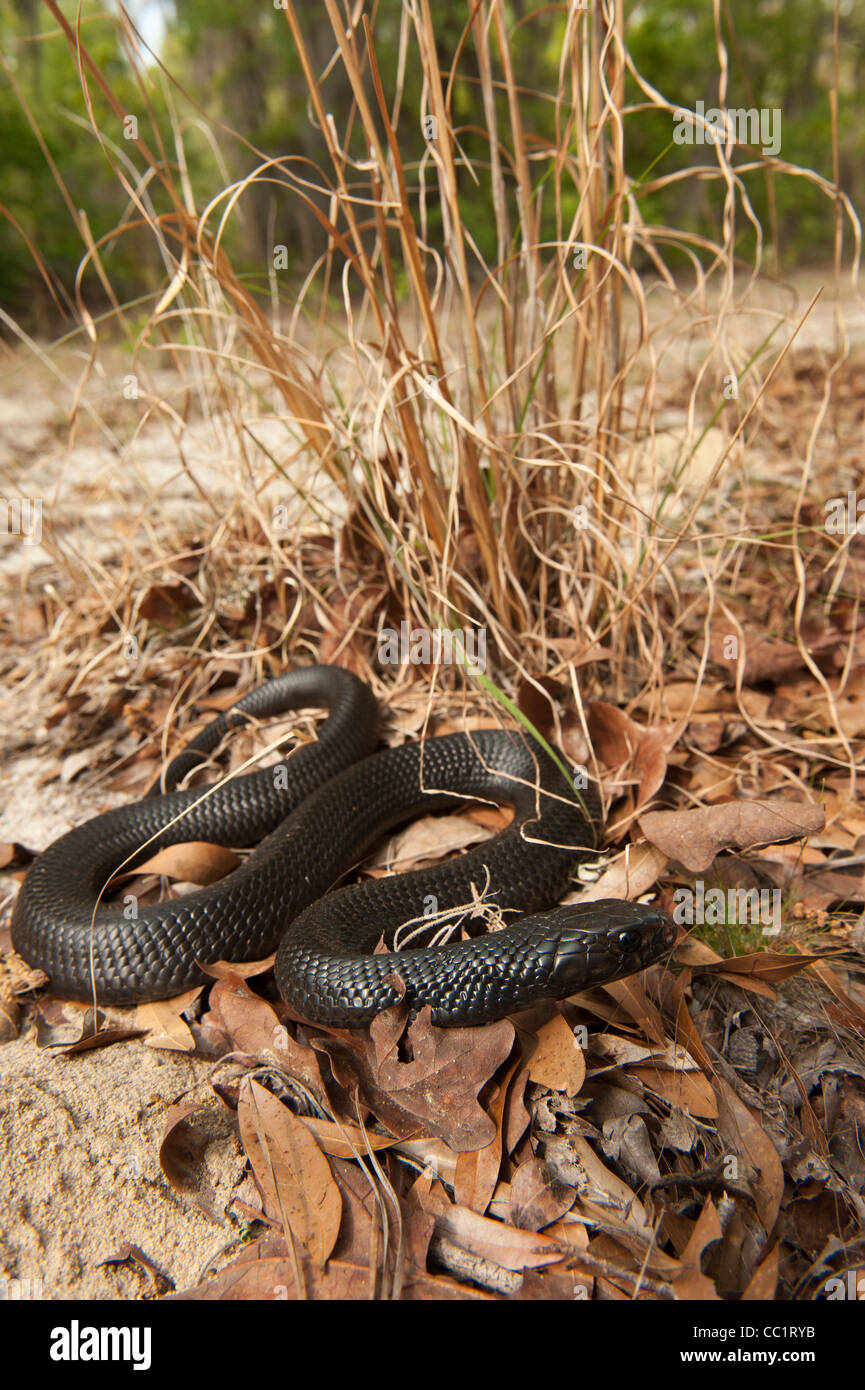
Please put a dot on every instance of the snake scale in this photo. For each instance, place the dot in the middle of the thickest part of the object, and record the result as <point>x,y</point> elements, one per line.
<point>311,819</point>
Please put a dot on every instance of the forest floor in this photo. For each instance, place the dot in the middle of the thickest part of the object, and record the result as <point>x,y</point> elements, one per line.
<point>120,1167</point>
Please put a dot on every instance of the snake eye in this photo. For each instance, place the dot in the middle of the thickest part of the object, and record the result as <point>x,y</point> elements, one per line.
<point>630,939</point>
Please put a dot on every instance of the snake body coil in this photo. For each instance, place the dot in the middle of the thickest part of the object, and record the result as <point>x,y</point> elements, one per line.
<point>312,818</point>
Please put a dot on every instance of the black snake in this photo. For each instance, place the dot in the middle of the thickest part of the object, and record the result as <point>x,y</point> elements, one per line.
<point>312,818</point>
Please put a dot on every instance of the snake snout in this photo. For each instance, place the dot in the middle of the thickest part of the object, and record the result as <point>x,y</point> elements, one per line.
<point>642,941</point>
<point>627,938</point>
<point>647,937</point>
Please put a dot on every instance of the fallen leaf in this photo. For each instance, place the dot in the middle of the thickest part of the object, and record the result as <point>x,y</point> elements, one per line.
<point>762,965</point>
<point>254,1028</point>
<point>679,698</point>
<point>517,1118</point>
<point>830,979</point>
<point>632,997</point>
<point>87,1029</point>
<point>618,741</point>
<point>692,1283</point>
<point>477,1171</point>
<point>630,874</point>
<point>626,1142</point>
<point>614,735</point>
<point>849,704</point>
<point>692,951</point>
<point>435,1092</point>
<point>291,1171</point>
<point>14,856</point>
<point>345,1140</point>
<point>686,1030</point>
<point>574,1162</point>
<point>763,658</point>
<point>536,1199</point>
<point>536,700</point>
<point>193,861</point>
<point>762,1285</point>
<point>744,1133</point>
<point>622,1052</point>
<point>252,1278</point>
<point>428,839</point>
<point>558,1060</point>
<point>489,1240</point>
<point>689,1090</point>
<point>242,969</point>
<point>74,763</point>
<point>162,1022</point>
<point>433,1155</point>
<point>650,762</point>
<point>166,604</point>
<point>617,1234</point>
<point>180,1158</point>
<point>9,1017</point>
<point>823,889</point>
<point>693,838</point>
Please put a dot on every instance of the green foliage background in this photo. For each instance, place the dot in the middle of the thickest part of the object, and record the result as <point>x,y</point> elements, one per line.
<point>235,63</point>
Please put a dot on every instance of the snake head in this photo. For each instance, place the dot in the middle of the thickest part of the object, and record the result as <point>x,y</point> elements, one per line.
<point>606,940</point>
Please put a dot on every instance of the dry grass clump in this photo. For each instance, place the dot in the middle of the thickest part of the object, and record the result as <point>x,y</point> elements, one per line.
<point>546,447</point>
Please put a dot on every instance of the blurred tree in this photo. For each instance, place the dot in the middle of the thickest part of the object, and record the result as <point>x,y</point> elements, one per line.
<point>42,87</point>
<point>241,65</point>
<point>780,56</point>
<point>238,63</point>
